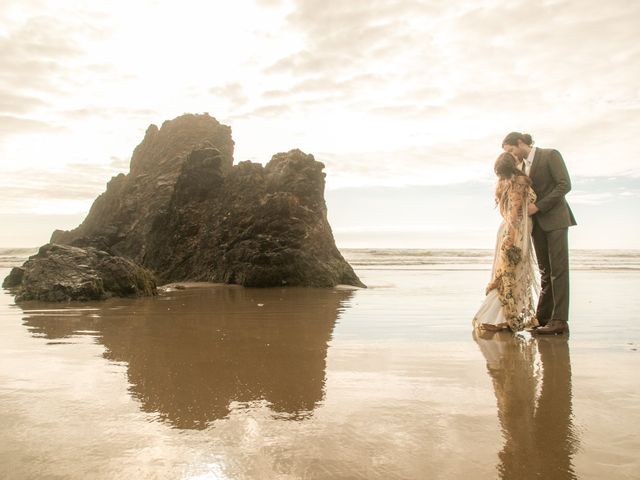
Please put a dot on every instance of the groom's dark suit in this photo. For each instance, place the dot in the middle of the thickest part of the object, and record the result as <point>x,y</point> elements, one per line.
<point>551,183</point>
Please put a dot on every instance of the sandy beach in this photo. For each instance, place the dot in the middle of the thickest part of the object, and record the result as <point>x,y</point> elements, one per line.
<point>225,382</point>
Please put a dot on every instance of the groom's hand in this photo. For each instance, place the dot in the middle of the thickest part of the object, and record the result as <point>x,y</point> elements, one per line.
<point>532,209</point>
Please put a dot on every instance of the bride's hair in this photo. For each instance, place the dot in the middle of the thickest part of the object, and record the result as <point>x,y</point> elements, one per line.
<point>505,166</point>
<point>513,137</point>
<point>507,172</point>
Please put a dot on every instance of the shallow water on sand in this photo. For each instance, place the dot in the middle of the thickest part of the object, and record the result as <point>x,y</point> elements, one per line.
<point>389,382</point>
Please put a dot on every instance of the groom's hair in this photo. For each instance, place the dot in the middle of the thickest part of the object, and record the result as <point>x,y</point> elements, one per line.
<point>513,137</point>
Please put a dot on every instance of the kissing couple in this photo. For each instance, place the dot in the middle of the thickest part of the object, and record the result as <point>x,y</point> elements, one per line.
<point>530,193</point>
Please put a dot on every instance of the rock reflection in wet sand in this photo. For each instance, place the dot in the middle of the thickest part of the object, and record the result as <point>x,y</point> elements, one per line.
<point>193,352</point>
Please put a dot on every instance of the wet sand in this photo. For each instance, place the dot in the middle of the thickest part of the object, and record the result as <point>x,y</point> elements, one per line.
<point>389,382</point>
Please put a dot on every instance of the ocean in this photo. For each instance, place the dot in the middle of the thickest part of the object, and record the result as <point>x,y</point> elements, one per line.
<point>423,259</point>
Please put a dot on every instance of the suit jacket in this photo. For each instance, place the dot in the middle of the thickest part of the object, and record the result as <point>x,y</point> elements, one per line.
<point>551,183</point>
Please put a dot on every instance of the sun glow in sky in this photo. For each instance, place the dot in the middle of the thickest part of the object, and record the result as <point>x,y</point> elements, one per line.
<point>406,103</point>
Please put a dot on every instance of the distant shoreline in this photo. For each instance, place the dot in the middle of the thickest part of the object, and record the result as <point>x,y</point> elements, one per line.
<point>432,259</point>
<point>9,250</point>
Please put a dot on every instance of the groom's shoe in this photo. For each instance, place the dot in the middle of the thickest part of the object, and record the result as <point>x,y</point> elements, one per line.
<point>554,327</point>
<point>538,323</point>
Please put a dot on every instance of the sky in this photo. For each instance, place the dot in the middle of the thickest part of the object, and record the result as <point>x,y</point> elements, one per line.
<point>405,102</point>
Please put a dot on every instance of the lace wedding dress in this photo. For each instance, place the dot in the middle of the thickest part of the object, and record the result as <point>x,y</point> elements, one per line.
<point>510,294</point>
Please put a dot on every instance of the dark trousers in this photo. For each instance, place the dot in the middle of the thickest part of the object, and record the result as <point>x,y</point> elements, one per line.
<point>552,250</point>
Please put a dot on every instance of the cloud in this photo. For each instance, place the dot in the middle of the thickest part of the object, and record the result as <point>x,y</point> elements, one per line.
<point>74,185</point>
<point>343,40</point>
<point>443,164</point>
<point>603,192</point>
<point>33,54</point>
<point>119,164</point>
<point>233,92</point>
<point>98,111</point>
<point>584,198</point>
<point>463,55</point>
<point>269,3</point>
<point>270,110</point>
<point>11,125</point>
<point>318,90</point>
<point>13,103</point>
<point>598,144</point>
<point>43,53</point>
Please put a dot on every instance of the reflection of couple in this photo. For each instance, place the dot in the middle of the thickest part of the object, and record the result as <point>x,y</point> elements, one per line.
<point>534,405</point>
<point>531,189</point>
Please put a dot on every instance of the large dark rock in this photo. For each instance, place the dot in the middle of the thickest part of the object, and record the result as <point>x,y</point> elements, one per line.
<point>187,213</point>
<point>121,217</point>
<point>62,272</point>
<point>14,278</point>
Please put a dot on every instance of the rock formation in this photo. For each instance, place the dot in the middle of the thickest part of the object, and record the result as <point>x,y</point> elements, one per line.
<point>62,272</point>
<point>121,217</point>
<point>185,212</point>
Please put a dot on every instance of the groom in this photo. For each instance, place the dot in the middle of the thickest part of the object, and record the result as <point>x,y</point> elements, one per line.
<point>552,218</point>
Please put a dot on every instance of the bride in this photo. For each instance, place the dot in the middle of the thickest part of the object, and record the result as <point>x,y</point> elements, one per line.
<point>509,302</point>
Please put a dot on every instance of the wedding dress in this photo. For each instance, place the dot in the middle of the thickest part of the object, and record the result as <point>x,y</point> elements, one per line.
<point>510,294</point>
